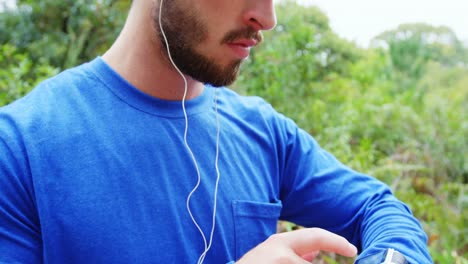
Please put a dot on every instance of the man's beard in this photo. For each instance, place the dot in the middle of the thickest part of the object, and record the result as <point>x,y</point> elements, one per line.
<point>184,30</point>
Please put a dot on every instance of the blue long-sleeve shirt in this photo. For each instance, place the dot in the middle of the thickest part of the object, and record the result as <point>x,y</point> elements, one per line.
<point>94,171</point>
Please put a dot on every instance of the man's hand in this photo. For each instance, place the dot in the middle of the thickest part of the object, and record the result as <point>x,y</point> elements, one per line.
<point>299,246</point>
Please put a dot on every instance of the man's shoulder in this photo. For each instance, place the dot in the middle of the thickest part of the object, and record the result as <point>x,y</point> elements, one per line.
<point>56,96</point>
<point>66,83</point>
<point>240,102</point>
<point>48,90</point>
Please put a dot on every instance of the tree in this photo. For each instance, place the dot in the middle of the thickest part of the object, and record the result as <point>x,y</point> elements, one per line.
<point>411,46</point>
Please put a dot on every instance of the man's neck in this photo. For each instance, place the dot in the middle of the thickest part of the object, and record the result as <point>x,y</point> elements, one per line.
<point>138,59</point>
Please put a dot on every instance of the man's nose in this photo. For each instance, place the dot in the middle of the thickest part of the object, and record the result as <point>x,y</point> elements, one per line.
<point>260,14</point>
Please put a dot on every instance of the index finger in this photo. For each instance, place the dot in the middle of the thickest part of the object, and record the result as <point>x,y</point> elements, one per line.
<point>307,240</point>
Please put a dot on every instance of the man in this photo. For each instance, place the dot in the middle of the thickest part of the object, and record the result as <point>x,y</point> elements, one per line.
<point>127,160</point>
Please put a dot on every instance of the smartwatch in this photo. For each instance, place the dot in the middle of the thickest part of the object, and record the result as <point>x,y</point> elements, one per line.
<point>388,256</point>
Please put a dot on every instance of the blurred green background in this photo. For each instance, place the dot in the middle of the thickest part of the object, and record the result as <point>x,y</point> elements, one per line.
<point>396,110</point>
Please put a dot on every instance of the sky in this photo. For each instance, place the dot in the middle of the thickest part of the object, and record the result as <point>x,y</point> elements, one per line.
<point>361,20</point>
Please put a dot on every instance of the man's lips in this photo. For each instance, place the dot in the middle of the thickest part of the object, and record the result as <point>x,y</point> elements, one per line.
<point>248,43</point>
<point>242,47</point>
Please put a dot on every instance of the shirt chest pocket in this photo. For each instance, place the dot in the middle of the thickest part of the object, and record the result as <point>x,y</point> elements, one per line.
<point>254,222</point>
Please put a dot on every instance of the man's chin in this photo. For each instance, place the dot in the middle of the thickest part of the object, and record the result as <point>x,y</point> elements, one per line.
<point>219,84</point>
<point>221,78</point>
<point>223,82</point>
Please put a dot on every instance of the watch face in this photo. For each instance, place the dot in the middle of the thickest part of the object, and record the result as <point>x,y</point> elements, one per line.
<point>388,256</point>
<point>394,257</point>
<point>373,259</point>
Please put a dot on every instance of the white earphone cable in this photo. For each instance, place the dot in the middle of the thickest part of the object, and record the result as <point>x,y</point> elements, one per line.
<point>207,245</point>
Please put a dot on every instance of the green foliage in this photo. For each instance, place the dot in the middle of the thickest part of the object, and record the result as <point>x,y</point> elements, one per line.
<point>63,33</point>
<point>18,75</point>
<point>397,111</point>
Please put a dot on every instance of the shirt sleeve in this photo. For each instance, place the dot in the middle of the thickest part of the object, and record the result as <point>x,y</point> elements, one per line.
<point>20,236</point>
<point>319,191</point>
